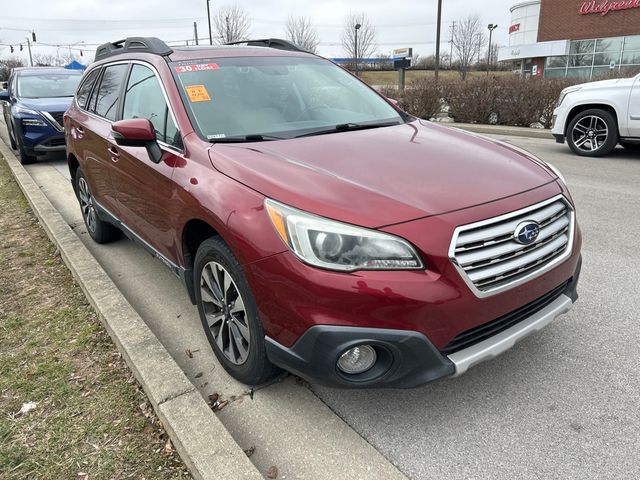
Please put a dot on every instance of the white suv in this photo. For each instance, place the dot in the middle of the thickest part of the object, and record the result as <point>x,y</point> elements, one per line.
<point>595,117</point>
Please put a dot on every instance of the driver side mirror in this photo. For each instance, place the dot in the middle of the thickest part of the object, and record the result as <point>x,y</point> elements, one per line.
<point>4,95</point>
<point>137,132</point>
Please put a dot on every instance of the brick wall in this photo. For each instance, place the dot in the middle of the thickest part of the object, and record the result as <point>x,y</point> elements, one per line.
<point>560,20</point>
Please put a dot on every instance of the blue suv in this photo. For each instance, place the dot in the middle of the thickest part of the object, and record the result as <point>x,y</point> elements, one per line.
<point>34,103</point>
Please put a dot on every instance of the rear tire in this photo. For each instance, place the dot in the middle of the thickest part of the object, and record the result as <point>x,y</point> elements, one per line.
<point>229,314</point>
<point>99,230</point>
<point>593,133</point>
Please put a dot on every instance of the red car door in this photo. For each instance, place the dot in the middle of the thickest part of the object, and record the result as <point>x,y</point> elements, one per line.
<point>92,125</point>
<point>144,189</point>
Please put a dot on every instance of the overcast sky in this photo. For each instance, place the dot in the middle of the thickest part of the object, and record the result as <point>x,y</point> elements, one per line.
<point>403,23</point>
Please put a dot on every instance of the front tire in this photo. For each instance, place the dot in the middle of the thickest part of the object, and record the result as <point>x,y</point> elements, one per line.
<point>23,156</point>
<point>99,230</point>
<point>593,133</point>
<point>12,140</point>
<point>229,314</point>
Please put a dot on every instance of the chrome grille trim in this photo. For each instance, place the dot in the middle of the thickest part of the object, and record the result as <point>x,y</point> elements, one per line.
<point>53,120</point>
<point>490,261</point>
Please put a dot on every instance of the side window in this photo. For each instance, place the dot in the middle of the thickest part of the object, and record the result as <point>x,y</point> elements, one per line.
<point>12,85</point>
<point>144,99</point>
<point>82,95</point>
<point>109,92</point>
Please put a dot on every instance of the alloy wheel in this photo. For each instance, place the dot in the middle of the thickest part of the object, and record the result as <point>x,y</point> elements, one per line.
<point>225,312</point>
<point>590,133</point>
<point>86,205</point>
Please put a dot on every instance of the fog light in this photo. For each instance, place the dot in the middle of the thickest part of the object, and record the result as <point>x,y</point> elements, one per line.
<point>357,359</point>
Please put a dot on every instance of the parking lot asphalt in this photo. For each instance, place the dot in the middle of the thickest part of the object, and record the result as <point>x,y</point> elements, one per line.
<point>564,403</point>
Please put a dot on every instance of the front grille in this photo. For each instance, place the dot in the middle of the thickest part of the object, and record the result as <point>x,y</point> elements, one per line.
<point>487,330</point>
<point>58,117</point>
<point>489,258</point>
<point>56,142</point>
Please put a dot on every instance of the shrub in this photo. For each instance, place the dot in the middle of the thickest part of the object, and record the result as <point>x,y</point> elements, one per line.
<point>504,100</point>
<point>422,97</point>
<point>472,100</point>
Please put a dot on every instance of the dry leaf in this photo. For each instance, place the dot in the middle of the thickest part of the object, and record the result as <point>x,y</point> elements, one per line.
<point>213,398</point>
<point>250,451</point>
<point>189,353</point>
<point>272,472</point>
<point>198,375</point>
<point>168,448</point>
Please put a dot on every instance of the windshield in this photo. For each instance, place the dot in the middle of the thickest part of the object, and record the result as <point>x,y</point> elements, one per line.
<point>278,97</point>
<point>50,85</point>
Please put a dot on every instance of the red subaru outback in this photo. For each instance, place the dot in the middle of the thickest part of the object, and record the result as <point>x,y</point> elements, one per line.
<point>316,226</point>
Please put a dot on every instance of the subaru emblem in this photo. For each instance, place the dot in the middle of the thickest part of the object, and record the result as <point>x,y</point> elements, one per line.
<point>527,232</point>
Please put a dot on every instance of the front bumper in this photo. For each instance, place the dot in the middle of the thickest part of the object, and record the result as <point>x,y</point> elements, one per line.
<point>39,140</point>
<point>406,359</point>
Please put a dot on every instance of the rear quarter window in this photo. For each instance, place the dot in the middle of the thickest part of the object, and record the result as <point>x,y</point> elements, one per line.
<point>82,95</point>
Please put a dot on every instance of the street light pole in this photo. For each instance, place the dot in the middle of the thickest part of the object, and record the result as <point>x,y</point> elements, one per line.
<point>437,67</point>
<point>209,19</point>
<point>357,27</point>
<point>491,28</point>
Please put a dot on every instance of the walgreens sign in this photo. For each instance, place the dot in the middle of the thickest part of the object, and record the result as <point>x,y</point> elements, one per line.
<point>603,7</point>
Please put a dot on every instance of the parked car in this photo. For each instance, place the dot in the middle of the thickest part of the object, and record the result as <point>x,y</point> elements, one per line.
<point>594,117</point>
<point>33,106</point>
<point>317,227</point>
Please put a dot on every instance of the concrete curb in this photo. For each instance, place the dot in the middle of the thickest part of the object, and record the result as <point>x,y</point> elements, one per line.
<point>502,130</point>
<point>202,441</point>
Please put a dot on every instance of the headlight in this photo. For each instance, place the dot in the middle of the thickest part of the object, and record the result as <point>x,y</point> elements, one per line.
<point>26,110</point>
<point>333,245</point>
<point>566,92</point>
<point>557,172</point>
<point>33,122</point>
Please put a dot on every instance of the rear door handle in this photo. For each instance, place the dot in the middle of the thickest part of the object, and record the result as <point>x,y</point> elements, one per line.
<point>115,155</point>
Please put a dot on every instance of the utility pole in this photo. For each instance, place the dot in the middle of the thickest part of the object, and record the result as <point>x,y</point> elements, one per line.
<point>357,27</point>
<point>209,19</point>
<point>437,68</point>
<point>30,57</point>
<point>491,28</point>
<point>195,32</point>
<point>453,31</point>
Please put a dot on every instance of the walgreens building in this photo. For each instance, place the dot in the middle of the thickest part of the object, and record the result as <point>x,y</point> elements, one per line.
<point>569,38</point>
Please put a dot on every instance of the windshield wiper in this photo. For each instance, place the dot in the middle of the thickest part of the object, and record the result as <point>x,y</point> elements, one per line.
<point>246,138</point>
<point>343,127</point>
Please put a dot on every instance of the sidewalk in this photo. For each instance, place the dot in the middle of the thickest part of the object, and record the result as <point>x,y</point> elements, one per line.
<point>502,130</point>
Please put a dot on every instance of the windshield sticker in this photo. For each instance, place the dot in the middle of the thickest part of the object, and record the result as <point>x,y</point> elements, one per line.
<point>217,135</point>
<point>197,68</point>
<point>197,93</point>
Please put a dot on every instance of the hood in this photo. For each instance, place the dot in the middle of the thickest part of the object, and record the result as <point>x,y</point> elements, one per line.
<point>382,176</point>
<point>622,82</point>
<point>57,104</point>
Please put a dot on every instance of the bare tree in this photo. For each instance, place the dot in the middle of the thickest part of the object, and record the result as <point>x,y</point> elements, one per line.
<point>49,60</point>
<point>301,32</point>
<point>468,40</point>
<point>231,24</point>
<point>6,65</point>
<point>366,36</point>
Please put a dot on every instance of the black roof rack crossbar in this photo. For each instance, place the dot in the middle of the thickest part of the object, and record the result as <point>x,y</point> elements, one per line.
<point>133,44</point>
<point>270,42</point>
